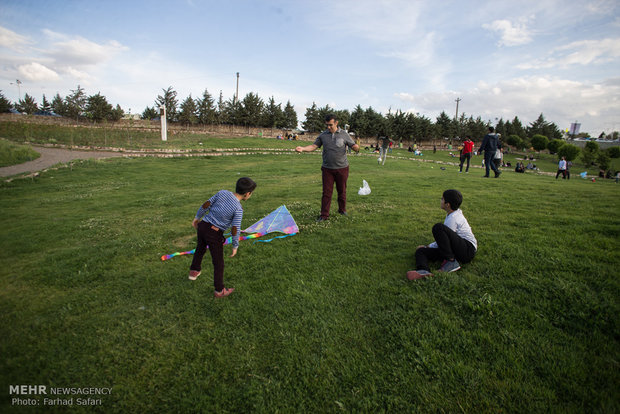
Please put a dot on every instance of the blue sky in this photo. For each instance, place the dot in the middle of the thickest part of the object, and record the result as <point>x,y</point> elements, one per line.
<point>501,58</point>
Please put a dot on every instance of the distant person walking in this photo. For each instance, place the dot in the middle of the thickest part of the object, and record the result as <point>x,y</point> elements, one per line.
<point>468,149</point>
<point>561,169</point>
<point>489,146</point>
<point>383,149</point>
<point>335,168</point>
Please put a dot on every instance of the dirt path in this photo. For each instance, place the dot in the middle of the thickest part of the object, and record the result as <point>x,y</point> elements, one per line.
<point>52,156</point>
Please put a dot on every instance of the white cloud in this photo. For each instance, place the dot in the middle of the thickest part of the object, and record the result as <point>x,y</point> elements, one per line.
<point>561,101</point>
<point>12,40</point>
<point>37,72</point>
<point>77,51</point>
<point>583,52</point>
<point>510,34</point>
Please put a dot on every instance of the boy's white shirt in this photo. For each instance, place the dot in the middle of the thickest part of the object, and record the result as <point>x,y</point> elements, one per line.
<point>457,222</point>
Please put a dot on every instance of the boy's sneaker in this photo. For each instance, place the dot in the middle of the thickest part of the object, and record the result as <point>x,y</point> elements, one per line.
<point>449,266</point>
<point>193,274</point>
<point>418,274</point>
<point>223,292</point>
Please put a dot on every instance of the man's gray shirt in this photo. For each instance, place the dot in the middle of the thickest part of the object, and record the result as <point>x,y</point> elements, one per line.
<point>334,148</point>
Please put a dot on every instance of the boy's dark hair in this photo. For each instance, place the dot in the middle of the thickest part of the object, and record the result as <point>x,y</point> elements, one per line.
<point>245,185</point>
<point>491,129</point>
<point>329,117</point>
<point>454,198</point>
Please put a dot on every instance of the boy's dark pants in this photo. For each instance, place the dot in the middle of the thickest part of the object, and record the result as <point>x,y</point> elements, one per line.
<point>339,176</point>
<point>214,239</point>
<point>450,246</point>
<point>464,157</point>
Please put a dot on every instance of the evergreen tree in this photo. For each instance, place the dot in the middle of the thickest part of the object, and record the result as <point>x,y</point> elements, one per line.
<point>359,123</point>
<point>116,114</point>
<point>149,113</point>
<point>313,122</point>
<point>221,106</point>
<point>169,101</point>
<point>376,122</point>
<point>45,106</point>
<point>515,128</point>
<point>273,116</point>
<point>207,113</point>
<point>500,128</point>
<point>188,114</point>
<point>5,104</point>
<point>251,110</point>
<point>58,105</point>
<point>27,105</point>
<point>98,108</point>
<point>445,125</point>
<point>290,116</point>
<point>75,103</point>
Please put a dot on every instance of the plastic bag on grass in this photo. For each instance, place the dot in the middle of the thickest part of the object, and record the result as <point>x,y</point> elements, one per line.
<point>364,189</point>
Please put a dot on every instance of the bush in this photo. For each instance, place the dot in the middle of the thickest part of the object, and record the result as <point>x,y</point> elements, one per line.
<point>569,151</point>
<point>539,142</point>
<point>613,152</point>
<point>515,141</point>
<point>554,145</point>
<point>603,160</point>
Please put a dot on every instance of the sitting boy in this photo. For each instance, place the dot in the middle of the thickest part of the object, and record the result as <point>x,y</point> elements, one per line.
<point>454,240</point>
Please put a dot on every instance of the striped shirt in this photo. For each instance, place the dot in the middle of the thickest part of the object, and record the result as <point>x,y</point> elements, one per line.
<point>225,211</point>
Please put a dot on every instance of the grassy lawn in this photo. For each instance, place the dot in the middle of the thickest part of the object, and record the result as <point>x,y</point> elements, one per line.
<point>12,153</point>
<point>324,321</point>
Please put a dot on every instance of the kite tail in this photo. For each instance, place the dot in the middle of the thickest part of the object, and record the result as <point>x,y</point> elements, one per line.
<point>170,256</point>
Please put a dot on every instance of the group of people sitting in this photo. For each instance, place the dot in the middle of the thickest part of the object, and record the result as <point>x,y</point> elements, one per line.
<point>520,168</point>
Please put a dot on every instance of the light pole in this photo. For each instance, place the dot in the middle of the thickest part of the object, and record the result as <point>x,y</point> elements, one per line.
<point>237,93</point>
<point>19,89</point>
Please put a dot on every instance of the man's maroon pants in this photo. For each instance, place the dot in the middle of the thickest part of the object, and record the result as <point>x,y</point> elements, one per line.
<point>331,176</point>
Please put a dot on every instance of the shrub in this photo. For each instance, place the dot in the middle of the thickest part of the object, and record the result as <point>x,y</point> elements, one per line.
<point>613,152</point>
<point>554,145</point>
<point>569,151</point>
<point>539,142</point>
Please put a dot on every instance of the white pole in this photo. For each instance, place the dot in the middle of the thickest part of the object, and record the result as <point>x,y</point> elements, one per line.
<point>162,117</point>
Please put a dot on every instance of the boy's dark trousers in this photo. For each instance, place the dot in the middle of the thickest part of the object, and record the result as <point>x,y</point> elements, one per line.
<point>213,237</point>
<point>450,246</point>
<point>466,156</point>
<point>339,176</point>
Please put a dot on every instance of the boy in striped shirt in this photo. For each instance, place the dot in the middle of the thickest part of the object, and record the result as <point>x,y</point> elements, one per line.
<point>220,212</point>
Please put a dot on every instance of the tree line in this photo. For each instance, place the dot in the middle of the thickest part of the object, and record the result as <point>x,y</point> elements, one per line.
<point>251,111</point>
<point>254,111</point>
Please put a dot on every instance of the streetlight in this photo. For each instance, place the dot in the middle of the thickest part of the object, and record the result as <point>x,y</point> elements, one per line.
<point>19,89</point>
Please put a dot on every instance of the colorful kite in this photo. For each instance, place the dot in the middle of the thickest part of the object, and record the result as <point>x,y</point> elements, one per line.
<point>279,220</point>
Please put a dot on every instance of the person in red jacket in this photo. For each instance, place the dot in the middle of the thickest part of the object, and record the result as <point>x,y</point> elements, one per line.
<point>468,148</point>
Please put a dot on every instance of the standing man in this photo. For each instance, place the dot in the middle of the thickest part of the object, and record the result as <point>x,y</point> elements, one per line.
<point>335,168</point>
<point>468,148</point>
<point>489,146</point>
<point>561,168</point>
<point>383,149</point>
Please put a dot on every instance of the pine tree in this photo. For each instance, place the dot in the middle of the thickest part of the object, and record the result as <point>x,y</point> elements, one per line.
<point>169,101</point>
<point>188,114</point>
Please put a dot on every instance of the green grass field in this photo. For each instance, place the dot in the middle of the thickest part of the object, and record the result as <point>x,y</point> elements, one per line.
<point>12,153</point>
<point>324,321</point>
